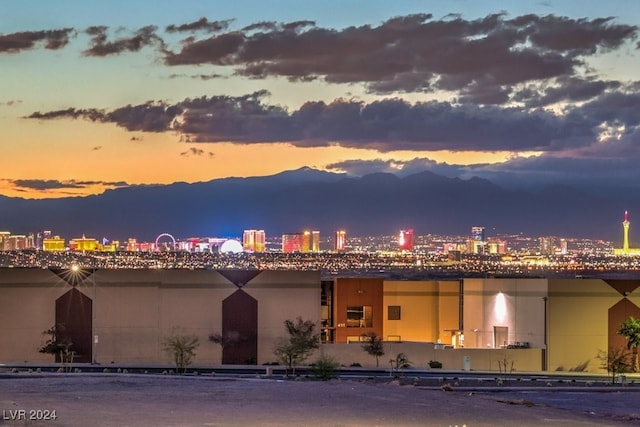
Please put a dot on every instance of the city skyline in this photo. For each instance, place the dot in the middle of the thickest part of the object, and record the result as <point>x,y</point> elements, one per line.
<point>307,241</point>
<point>537,93</point>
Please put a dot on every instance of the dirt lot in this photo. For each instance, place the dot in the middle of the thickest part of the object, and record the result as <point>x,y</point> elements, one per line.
<point>154,400</point>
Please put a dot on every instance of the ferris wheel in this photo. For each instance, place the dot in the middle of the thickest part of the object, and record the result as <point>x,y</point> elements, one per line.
<point>173,241</point>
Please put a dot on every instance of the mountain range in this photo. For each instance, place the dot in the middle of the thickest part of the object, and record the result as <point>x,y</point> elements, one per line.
<point>375,204</point>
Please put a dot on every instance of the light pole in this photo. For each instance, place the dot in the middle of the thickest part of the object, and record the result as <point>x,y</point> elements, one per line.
<point>545,359</point>
<point>94,351</point>
<point>75,269</point>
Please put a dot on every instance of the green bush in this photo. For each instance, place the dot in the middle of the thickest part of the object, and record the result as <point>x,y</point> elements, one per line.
<point>324,368</point>
<point>181,348</point>
<point>435,364</point>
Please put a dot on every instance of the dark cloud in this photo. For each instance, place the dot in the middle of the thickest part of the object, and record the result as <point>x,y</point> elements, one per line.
<point>571,89</point>
<point>100,46</point>
<point>576,36</point>
<point>385,125</point>
<point>149,117</point>
<point>216,50</point>
<point>603,171</point>
<point>202,24</point>
<point>298,25</point>
<point>270,26</point>
<point>11,102</point>
<point>612,108</point>
<point>397,167</point>
<point>482,58</point>
<point>52,184</point>
<point>51,39</point>
<point>261,26</point>
<point>193,151</point>
<point>198,76</point>
<point>70,113</point>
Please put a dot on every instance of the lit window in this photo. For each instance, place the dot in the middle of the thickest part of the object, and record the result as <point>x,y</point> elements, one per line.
<point>359,316</point>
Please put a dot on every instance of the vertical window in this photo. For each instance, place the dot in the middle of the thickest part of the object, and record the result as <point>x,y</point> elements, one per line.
<point>359,316</point>
<point>500,336</point>
<point>393,312</point>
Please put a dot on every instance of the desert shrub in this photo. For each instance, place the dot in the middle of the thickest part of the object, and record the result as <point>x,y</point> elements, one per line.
<point>324,368</point>
<point>299,345</point>
<point>435,364</point>
<point>181,348</point>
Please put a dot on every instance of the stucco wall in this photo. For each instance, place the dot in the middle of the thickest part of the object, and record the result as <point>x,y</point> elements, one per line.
<point>578,322</point>
<point>282,296</point>
<point>27,308</point>
<point>517,304</point>
<point>420,353</point>
<point>418,301</point>
<point>136,309</point>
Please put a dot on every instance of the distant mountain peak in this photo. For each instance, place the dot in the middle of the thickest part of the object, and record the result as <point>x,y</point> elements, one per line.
<point>375,204</point>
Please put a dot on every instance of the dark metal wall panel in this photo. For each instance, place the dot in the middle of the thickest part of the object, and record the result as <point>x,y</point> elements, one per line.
<point>617,315</point>
<point>240,315</point>
<point>73,322</point>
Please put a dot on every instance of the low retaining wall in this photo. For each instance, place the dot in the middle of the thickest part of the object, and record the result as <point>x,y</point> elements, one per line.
<point>420,353</point>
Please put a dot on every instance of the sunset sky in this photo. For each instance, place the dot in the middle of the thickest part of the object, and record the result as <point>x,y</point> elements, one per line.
<point>106,94</point>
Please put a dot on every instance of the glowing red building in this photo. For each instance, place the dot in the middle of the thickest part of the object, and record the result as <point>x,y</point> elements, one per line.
<point>406,240</point>
<point>307,241</point>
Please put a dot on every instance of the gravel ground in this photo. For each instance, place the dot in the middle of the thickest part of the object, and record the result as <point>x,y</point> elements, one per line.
<point>151,400</point>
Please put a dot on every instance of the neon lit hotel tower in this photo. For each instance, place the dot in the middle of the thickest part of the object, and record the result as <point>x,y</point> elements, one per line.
<point>626,250</point>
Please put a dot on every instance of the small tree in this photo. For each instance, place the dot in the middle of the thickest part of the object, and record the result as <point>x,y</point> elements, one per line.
<point>302,341</point>
<point>225,340</point>
<point>181,348</point>
<point>616,361</point>
<point>505,366</point>
<point>58,345</point>
<point>630,329</point>
<point>324,368</point>
<point>400,362</point>
<point>373,345</point>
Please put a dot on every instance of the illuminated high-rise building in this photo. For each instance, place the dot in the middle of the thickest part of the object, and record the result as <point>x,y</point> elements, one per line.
<point>477,242</point>
<point>307,241</point>
<point>340,244</point>
<point>547,246</point>
<point>253,240</point>
<point>406,240</point>
<point>496,246</point>
<point>563,246</point>
<point>477,233</point>
<point>310,241</point>
<point>132,245</point>
<point>291,242</point>
<point>625,232</point>
<point>4,240</point>
<point>17,243</point>
<point>53,244</point>
<point>84,244</point>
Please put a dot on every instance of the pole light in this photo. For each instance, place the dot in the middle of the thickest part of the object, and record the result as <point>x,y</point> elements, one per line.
<point>75,269</point>
<point>94,351</point>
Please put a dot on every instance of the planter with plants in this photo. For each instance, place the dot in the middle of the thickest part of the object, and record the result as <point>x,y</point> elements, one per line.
<point>434,364</point>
